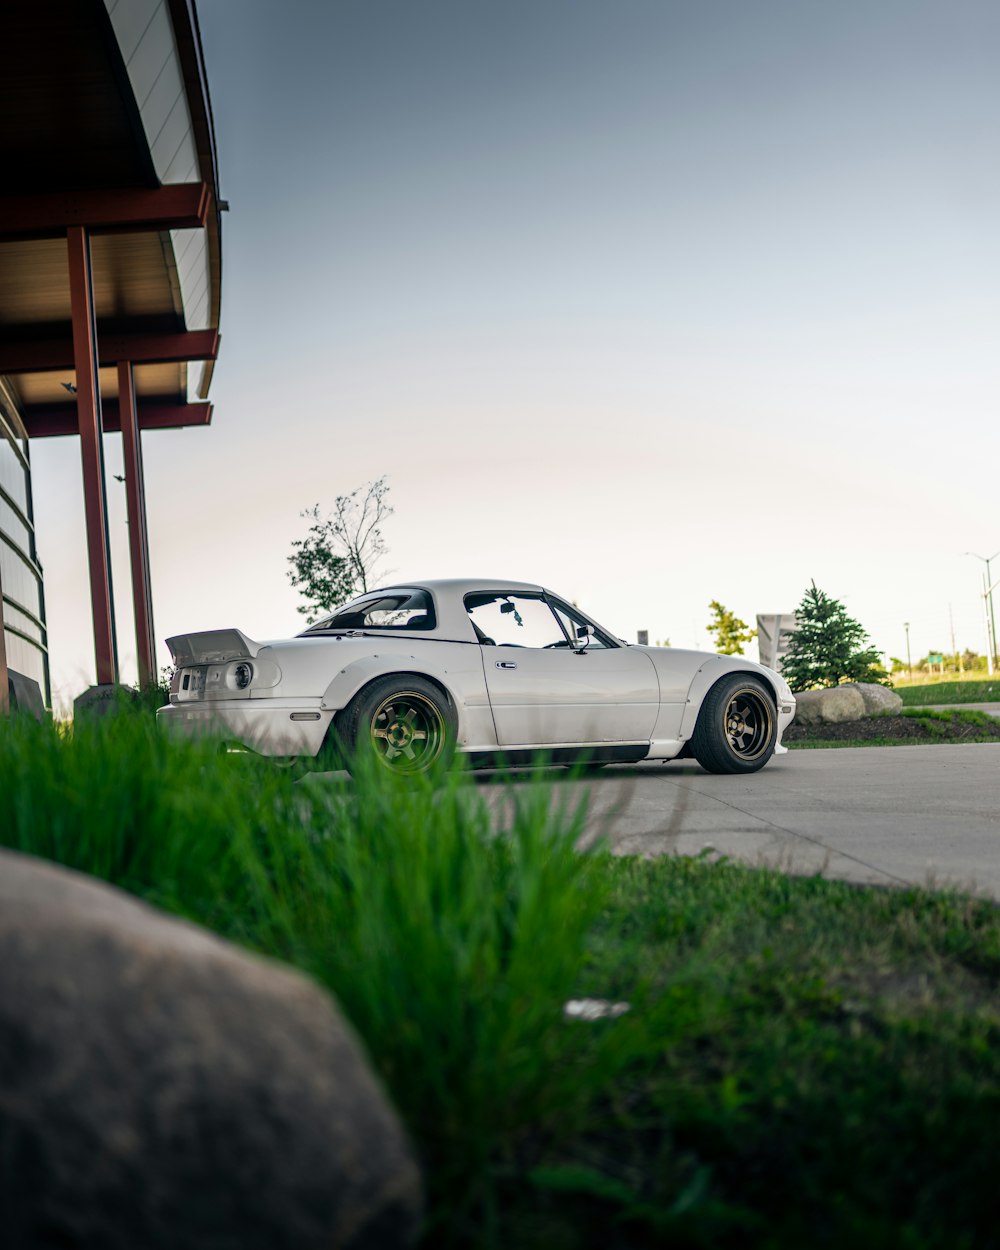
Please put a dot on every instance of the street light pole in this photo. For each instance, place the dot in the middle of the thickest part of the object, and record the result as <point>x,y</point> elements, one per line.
<point>909,666</point>
<point>991,620</point>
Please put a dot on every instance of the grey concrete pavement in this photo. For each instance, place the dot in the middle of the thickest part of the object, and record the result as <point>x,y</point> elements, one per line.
<point>896,815</point>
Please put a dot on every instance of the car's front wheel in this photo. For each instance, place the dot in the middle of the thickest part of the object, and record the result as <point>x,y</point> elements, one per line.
<point>737,726</point>
<point>405,722</point>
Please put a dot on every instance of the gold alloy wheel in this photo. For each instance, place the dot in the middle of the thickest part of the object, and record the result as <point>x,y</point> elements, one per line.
<point>748,723</point>
<point>407,731</point>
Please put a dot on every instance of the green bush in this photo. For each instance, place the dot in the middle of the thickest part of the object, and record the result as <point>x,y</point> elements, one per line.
<point>827,646</point>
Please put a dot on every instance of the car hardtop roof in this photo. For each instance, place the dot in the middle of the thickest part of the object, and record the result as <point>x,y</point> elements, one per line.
<point>453,621</point>
<point>461,586</point>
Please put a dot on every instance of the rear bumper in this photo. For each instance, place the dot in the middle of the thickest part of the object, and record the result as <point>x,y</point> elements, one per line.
<point>268,726</point>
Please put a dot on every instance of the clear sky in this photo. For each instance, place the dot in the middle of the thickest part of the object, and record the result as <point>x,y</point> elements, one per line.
<point>652,302</point>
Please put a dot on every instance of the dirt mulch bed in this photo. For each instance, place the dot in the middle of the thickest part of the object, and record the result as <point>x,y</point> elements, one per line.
<point>898,728</point>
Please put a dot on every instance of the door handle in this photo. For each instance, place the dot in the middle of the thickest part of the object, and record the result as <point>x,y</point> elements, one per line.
<point>506,664</point>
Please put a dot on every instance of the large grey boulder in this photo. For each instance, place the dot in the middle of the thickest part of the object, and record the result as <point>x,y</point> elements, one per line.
<point>161,1089</point>
<point>878,700</point>
<point>833,706</point>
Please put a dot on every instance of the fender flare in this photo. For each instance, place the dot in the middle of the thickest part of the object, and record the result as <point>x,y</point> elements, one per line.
<point>362,672</point>
<point>711,671</point>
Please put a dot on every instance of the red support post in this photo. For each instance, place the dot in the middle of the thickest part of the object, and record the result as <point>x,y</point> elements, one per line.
<point>138,533</point>
<point>4,679</point>
<point>88,407</point>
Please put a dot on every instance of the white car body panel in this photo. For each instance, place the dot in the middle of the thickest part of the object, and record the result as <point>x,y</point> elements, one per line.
<point>716,666</point>
<point>610,696</point>
<point>261,726</point>
<point>456,667</point>
<point>604,695</point>
<point>675,670</point>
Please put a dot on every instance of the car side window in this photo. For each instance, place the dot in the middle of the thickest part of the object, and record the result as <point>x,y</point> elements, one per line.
<point>393,609</point>
<point>514,621</point>
<point>573,623</point>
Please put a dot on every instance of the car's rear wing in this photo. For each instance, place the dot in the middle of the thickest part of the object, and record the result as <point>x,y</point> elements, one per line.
<point>212,646</point>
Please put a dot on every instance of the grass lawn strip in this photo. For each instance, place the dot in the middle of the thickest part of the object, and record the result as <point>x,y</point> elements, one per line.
<point>914,725</point>
<point>805,1062</point>
<point>985,691</point>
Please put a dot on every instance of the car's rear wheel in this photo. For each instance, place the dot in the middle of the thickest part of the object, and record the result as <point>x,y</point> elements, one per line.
<point>404,722</point>
<point>737,726</point>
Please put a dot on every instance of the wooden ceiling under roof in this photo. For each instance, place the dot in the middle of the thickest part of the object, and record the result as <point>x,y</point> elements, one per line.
<point>107,162</point>
<point>69,123</point>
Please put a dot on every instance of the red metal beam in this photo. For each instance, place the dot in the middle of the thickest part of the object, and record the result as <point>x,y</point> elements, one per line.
<point>179,206</point>
<point>88,406</point>
<point>174,416</point>
<point>53,420</point>
<point>4,679</point>
<point>45,355</point>
<point>138,534</point>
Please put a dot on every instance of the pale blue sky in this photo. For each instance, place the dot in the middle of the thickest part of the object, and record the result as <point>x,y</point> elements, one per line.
<point>653,302</point>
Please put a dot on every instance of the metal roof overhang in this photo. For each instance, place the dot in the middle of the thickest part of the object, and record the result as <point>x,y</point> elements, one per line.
<point>110,258</point>
<point>75,150</point>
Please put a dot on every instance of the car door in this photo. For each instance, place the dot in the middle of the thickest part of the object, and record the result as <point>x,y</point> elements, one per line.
<point>548,688</point>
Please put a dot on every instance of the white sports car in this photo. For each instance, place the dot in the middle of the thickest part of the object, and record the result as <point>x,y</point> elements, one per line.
<point>495,670</point>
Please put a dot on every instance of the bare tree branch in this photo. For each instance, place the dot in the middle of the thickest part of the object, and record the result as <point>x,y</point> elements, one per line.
<point>341,553</point>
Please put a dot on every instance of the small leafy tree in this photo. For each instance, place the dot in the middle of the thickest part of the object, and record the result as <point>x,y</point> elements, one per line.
<point>339,556</point>
<point>730,633</point>
<point>827,646</point>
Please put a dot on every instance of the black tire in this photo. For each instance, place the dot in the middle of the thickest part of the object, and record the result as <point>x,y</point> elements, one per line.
<point>405,723</point>
<point>737,726</point>
<point>293,766</point>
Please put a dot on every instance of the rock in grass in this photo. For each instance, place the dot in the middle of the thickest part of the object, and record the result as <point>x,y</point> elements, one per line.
<point>878,700</point>
<point>841,703</point>
<point>161,1089</point>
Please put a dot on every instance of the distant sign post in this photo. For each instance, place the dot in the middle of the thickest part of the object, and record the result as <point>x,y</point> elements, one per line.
<point>773,633</point>
<point>642,637</point>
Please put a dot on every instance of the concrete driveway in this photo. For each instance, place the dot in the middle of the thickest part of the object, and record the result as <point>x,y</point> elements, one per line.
<point>896,815</point>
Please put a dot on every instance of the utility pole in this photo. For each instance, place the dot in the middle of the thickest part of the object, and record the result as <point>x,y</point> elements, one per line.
<point>991,620</point>
<point>954,649</point>
<point>909,666</point>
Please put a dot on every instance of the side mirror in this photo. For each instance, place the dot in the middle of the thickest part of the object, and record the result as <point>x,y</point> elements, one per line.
<point>584,633</point>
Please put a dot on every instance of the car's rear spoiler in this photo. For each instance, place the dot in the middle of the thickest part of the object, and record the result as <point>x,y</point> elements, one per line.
<point>213,646</point>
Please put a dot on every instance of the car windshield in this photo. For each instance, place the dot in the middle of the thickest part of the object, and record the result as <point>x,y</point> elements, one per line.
<point>385,609</point>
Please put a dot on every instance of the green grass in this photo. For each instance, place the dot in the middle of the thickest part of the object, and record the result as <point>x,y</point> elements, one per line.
<point>805,1063</point>
<point>958,725</point>
<point>930,717</point>
<point>966,691</point>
